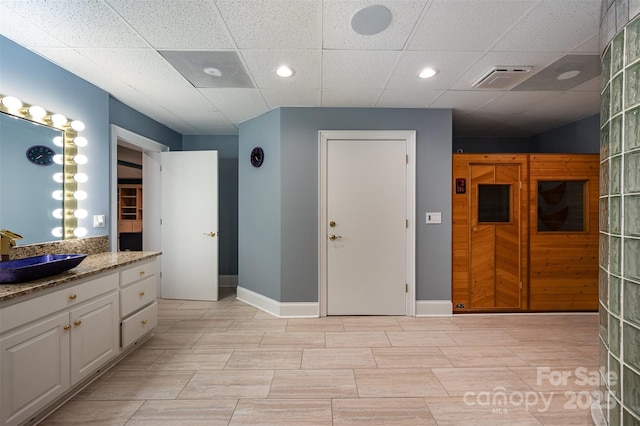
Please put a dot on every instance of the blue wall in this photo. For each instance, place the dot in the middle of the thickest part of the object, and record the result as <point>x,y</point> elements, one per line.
<point>36,81</point>
<point>580,137</point>
<point>128,118</point>
<point>292,183</point>
<point>259,208</point>
<point>227,147</point>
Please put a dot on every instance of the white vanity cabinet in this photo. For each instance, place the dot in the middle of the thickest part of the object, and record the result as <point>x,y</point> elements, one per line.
<point>52,342</point>
<point>138,306</point>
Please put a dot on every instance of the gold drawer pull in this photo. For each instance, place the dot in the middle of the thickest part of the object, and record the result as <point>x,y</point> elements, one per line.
<point>141,273</point>
<point>77,323</point>
<point>141,293</point>
<point>144,322</point>
<point>67,327</point>
<point>73,296</point>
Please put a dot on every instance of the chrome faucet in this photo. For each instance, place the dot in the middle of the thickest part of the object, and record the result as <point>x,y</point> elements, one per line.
<point>7,240</point>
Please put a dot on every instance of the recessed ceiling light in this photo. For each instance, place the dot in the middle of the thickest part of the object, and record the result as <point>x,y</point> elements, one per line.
<point>285,71</point>
<point>212,71</point>
<point>428,73</point>
<point>568,75</point>
<point>371,20</point>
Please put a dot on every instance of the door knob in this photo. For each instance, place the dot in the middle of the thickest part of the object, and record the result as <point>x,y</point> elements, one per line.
<point>335,237</point>
<point>332,224</point>
<point>210,234</point>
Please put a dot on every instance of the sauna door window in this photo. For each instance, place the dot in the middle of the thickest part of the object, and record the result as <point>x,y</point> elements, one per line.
<point>494,203</point>
<point>561,206</point>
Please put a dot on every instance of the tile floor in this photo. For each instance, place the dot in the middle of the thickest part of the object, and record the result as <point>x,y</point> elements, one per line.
<point>227,363</point>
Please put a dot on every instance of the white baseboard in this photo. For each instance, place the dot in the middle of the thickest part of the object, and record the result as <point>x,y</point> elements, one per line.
<point>227,281</point>
<point>434,308</point>
<point>278,309</point>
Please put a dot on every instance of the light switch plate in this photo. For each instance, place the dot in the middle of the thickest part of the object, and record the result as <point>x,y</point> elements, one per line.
<point>99,221</point>
<point>434,217</point>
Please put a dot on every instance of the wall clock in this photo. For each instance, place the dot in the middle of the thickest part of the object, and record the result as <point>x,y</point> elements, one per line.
<point>40,155</point>
<point>257,156</point>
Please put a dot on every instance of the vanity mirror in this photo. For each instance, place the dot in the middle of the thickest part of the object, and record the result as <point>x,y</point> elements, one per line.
<point>39,174</point>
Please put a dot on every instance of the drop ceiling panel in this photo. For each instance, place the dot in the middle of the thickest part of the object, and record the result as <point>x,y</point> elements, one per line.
<point>544,28</point>
<point>206,68</point>
<point>238,105</point>
<point>347,69</point>
<point>538,60</point>
<point>79,23</point>
<point>464,100</point>
<point>593,85</point>
<point>282,24</point>
<point>143,69</point>
<point>338,34</point>
<point>449,65</point>
<point>407,98</point>
<point>299,97</point>
<point>569,104</point>
<point>515,103</point>
<point>350,98</point>
<point>170,24</point>
<point>592,45</point>
<point>262,65</point>
<point>466,24</point>
<point>24,32</point>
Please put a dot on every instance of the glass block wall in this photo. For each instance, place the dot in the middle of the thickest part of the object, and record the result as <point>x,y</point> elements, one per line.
<point>620,220</point>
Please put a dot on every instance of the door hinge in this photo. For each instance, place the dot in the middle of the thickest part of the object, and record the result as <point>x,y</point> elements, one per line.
<point>407,159</point>
<point>160,221</point>
<point>160,168</point>
<point>406,288</point>
<point>406,223</point>
<point>520,184</point>
<point>520,285</point>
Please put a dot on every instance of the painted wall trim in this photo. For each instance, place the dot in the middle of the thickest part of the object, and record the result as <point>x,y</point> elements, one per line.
<point>434,308</point>
<point>278,309</point>
<point>227,281</point>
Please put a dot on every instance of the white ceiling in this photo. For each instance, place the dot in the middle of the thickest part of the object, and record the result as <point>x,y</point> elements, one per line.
<point>114,44</point>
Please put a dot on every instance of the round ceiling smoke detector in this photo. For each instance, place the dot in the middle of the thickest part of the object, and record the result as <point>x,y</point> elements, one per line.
<point>371,20</point>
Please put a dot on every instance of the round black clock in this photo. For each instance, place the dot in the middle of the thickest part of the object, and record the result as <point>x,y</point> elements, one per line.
<point>257,156</point>
<point>40,155</point>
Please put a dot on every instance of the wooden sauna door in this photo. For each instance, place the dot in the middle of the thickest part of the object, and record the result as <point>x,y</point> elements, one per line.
<point>495,278</point>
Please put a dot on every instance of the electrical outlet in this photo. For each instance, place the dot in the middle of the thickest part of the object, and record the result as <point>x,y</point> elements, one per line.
<point>99,221</point>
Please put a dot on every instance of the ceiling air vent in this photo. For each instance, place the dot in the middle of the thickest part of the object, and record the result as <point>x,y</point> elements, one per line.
<point>501,78</point>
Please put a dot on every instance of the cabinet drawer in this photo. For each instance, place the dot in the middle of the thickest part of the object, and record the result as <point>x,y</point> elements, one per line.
<point>137,295</point>
<point>30,310</point>
<point>137,325</point>
<point>138,271</point>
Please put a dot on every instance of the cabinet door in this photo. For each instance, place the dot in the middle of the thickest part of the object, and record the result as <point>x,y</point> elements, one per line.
<point>94,335</point>
<point>34,368</point>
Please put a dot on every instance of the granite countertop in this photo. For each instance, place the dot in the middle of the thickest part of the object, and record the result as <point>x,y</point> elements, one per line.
<point>91,265</point>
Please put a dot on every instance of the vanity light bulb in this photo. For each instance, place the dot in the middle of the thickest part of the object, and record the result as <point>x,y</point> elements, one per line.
<point>58,159</point>
<point>58,141</point>
<point>80,141</point>
<point>77,125</point>
<point>80,213</point>
<point>57,213</point>
<point>80,232</point>
<point>57,232</point>
<point>58,120</point>
<point>37,112</point>
<point>80,195</point>
<point>80,159</point>
<point>11,103</point>
<point>80,177</point>
<point>57,194</point>
<point>58,177</point>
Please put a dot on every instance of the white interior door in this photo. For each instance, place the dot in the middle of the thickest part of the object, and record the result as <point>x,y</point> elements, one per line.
<point>366,202</point>
<point>151,202</point>
<point>189,206</point>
